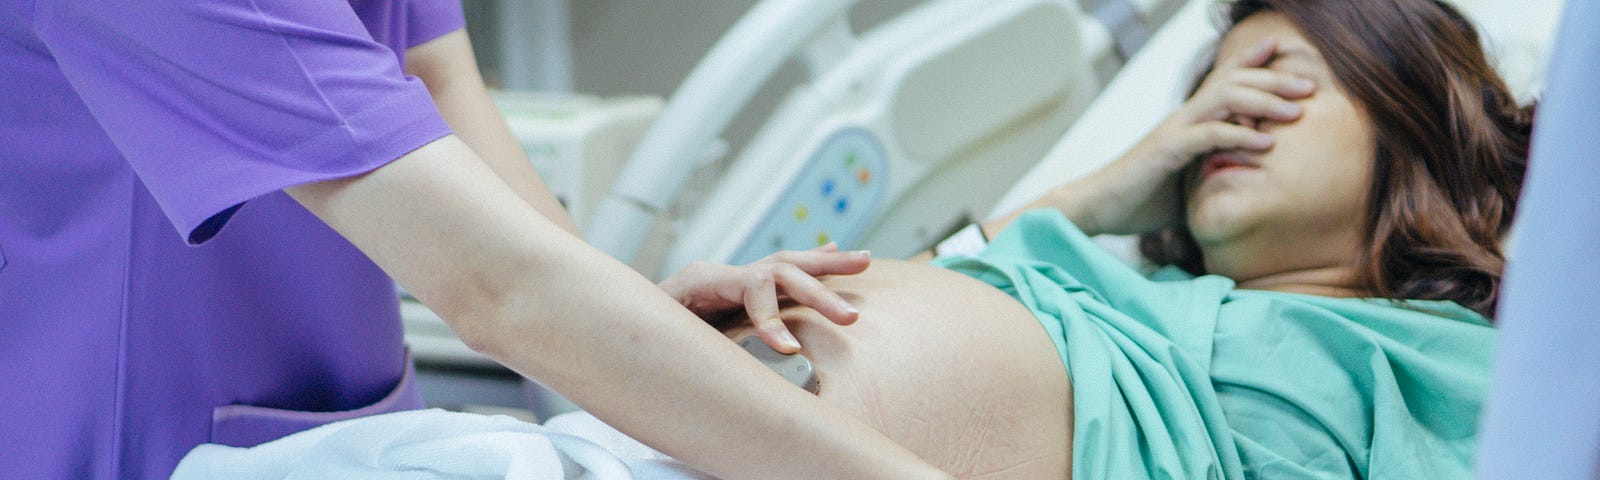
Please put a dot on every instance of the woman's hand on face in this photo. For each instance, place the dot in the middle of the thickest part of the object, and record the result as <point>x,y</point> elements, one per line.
<point>1139,192</point>
<point>713,290</point>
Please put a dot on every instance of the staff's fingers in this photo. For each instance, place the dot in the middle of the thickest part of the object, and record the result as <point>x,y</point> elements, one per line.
<point>807,290</point>
<point>761,302</point>
<point>819,263</point>
<point>701,297</point>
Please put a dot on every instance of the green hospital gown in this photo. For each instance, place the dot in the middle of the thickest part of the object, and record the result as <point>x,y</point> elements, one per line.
<point>1189,378</point>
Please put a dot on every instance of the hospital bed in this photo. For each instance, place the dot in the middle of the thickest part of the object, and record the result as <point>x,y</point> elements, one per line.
<point>948,96</point>
<point>1128,100</point>
<point>760,203</point>
<point>1100,101</point>
<point>899,133</point>
<point>1067,49</point>
<point>920,125</point>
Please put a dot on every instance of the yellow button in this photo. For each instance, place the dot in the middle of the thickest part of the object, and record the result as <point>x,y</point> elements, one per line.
<point>822,238</point>
<point>800,212</point>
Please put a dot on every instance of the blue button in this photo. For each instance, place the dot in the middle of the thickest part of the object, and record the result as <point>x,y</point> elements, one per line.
<point>841,205</point>
<point>827,187</point>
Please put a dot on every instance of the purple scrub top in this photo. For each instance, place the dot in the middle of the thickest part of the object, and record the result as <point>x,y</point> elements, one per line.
<point>123,342</point>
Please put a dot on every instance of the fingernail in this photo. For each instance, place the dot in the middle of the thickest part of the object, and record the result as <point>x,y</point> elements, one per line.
<point>864,253</point>
<point>1262,140</point>
<point>788,339</point>
<point>849,308</point>
<point>1303,85</point>
<point>1288,109</point>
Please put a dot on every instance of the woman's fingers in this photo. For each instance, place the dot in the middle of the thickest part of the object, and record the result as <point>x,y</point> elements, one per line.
<point>1258,104</point>
<point>807,290</point>
<point>1140,194</point>
<point>1219,135</point>
<point>1255,93</point>
<point>1282,84</point>
<point>1242,85</point>
<point>1255,56</point>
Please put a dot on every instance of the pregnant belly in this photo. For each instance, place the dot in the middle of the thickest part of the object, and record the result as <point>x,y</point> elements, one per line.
<point>949,367</point>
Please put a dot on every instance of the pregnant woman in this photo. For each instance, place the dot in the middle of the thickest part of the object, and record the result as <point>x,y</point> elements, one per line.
<point>1333,196</point>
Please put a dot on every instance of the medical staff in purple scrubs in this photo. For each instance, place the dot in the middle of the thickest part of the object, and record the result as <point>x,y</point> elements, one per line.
<point>122,346</point>
<point>124,343</point>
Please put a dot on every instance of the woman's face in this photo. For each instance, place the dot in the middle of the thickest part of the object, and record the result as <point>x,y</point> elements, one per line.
<point>1310,190</point>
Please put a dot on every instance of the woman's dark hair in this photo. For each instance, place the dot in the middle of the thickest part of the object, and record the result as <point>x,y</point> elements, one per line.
<point>1452,146</point>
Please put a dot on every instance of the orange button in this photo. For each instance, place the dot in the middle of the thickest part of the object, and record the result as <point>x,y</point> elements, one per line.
<point>863,176</point>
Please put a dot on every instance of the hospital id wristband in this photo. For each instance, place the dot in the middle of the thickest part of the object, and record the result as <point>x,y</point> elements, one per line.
<point>969,240</point>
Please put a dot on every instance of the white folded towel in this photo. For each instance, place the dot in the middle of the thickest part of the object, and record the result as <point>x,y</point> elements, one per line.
<point>439,444</point>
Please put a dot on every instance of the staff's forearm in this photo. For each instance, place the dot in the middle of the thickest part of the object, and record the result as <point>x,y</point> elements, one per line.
<point>446,65</point>
<point>519,288</point>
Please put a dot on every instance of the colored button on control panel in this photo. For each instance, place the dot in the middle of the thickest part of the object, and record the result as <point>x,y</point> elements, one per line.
<point>864,176</point>
<point>801,211</point>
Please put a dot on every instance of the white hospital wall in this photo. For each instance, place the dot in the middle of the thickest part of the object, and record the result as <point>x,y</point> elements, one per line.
<point>647,47</point>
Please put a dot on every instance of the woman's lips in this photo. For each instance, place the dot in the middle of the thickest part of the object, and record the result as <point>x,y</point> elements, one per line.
<point>1218,162</point>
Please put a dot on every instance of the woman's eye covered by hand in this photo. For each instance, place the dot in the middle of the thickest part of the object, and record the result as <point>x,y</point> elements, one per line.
<point>1243,89</point>
<point>1139,192</point>
<point>1236,98</point>
<point>712,290</point>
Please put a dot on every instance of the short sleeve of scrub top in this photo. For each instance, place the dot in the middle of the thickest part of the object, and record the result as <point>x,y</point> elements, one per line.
<point>214,103</point>
<point>430,19</point>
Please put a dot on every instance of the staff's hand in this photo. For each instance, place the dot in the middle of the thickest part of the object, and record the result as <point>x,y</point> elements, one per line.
<point>713,290</point>
<point>1139,192</point>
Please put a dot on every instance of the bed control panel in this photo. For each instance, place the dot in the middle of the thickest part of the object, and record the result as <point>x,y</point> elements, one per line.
<point>832,199</point>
